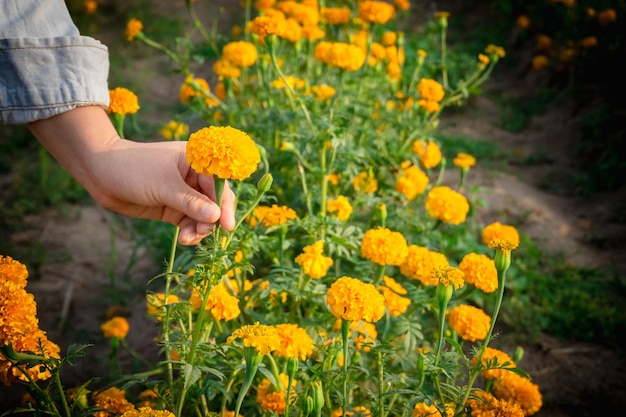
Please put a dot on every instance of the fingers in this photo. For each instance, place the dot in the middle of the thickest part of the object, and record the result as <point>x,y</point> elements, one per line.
<point>192,232</point>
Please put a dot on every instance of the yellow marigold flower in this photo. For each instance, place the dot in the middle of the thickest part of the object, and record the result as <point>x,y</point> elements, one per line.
<point>240,53</point>
<point>419,263</point>
<point>411,181</point>
<point>503,245</point>
<point>522,22</point>
<point>424,410</point>
<point>492,49</point>
<point>429,105</point>
<point>293,82</point>
<point>263,26</point>
<point>148,412</point>
<point>113,400</point>
<point>539,62</point>
<point>115,327</point>
<point>447,205</point>
<point>430,89</point>
<point>224,152</point>
<point>519,390</point>
<point>483,59</point>
<point>123,101</point>
<point>312,32</point>
<point>133,29</point>
<point>263,4</point>
<point>393,285</point>
<point>497,230</point>
<point>293,30</point>
<point>295,342</point>
<point>354,300</point>
<point>334,178</point>
<point>429,153</point>
<point>356,411</point>
<point>396,304</point>
<point>384,246</point>
<point>313,261</point>
<point>464,160</point>
<point>323,92</point>
<point>389,38</point>
<point>340,206</point>
<point>12,270</point>
<point>491,357</point>
<point>469,322</point>
<point>488,406</point>
<point>336,15</point>
<point>272,399</point>
<point>155,303</point>
<point>480,271</point>
<point>174,130</point>
<point>365,182</point>
<point>18,312</point>
<point>589,42</point>
<point>195,87</point>
<point>222,304</point>
<point>376,11</point>
<point>225,69</point>
<point>607,16</point>
<point>341,55</point>
<point>271,216</point>
<point>448,276</point>
<point>263,338</point>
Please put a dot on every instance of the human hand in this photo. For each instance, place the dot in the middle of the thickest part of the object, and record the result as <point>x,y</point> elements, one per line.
<point>143,180</point>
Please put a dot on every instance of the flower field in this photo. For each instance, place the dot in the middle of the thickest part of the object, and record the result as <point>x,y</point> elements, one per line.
<point>360,278</point>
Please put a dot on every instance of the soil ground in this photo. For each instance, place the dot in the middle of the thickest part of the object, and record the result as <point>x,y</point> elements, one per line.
<point>575,379</point>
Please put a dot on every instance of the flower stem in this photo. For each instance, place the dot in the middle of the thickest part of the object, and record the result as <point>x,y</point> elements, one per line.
<point>345,328</point>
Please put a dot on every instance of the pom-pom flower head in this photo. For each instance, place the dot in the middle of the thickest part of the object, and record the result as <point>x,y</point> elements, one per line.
<point>313,261</point>
<point>384,246</point>
<point>353,300</point>
<point>116,327</point>
<point>224,152</point>
<point>469,322</point>
<point>447,205</point>
<point>123,101</point>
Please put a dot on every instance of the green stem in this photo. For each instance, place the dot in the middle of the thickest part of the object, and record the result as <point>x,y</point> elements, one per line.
<point>345,328</point>
<point>166,327</point>
<point>381,385</point>
<point>380,273</point>
<point>252,364</point>
<point>57,380</point>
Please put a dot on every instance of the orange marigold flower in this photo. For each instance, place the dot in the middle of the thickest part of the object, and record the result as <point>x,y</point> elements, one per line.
<point>263,4</point>
<point>519,390</point>
<point>393,285</point>
<point>539,62</point>
<point>261,337</point>
<point>428,152</point>
<point>464,160</point>
<point>272,399</point>
<point>497,361</point>
<point>411,181</point>
<point>354,300</point>
<point>195,87</point>
<point>447,205</point>
<point>334,178</point>
<point>148,412</point>
<point>123,101</point>
<point>293,30</point>
<point>522,22</point>
<point>365,182</point>
<point>240,53</point>
<point>376,11</point>
<point>384,246</point>
<point>293,82</point>
<point>13,271</point>
<point>133,29</point>
<point>312,32</point>
<point>114,401</point>
<point>389,38</point>
<point>313,261</point>
<point>607,16</point>
<point>403,5</point>
<point>90,6</point>
<point>224,152</point>
<point>356,411</point>
<point>419,263</point>
<point>336,15</point>
<point>271,216</point>
<point>174,130</point>
<point>430,89</point>
<point>36,342</point>
<point>339,54</point>
<point>480,271</point>
<point>429,105</point>
<point>396,304</point>
<point>225,69</point>
<point>340,206</point>
<point>323,92</point>
<point>488,405</point>
<point>469,322</point>
<point>295,342</point>
<point>497,230</point>
<point>263,26</point>
<point>222,304</point>
<point>115,327</point>
<point>18,312</point>
<point>492,49</point>
<point>448,276</point>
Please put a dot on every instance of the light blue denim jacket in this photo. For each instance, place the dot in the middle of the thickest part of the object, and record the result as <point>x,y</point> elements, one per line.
<point>46,66</point>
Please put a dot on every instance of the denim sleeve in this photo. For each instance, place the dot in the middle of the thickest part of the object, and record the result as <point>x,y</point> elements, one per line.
<point>46,66</point>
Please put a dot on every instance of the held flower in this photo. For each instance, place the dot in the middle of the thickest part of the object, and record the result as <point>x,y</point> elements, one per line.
<point>224,152</point>
<point>313,261</point>
<point>353,300</point>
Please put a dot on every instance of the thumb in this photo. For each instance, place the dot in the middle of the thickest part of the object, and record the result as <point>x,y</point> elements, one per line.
<point>193,204</point>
